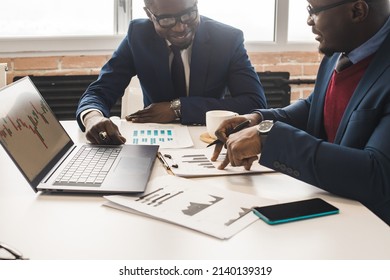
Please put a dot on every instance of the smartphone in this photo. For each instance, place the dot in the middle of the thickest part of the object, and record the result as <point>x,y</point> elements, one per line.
<point>294,211</point>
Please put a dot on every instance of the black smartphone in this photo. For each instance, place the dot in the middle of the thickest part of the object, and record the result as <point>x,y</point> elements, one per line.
<point>293,211</point>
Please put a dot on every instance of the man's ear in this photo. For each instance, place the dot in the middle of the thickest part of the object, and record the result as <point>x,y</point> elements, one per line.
<point>360,11</point>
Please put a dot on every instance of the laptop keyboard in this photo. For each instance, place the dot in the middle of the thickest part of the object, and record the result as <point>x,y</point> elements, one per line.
<point>89,167</point>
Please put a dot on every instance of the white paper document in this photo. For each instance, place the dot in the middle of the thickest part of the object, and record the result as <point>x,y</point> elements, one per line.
<point>196,163</point>
<point>164,135</point>
<point>214,211</point>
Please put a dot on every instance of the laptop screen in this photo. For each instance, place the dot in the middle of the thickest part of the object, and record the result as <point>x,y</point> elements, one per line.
<point>29,131</point>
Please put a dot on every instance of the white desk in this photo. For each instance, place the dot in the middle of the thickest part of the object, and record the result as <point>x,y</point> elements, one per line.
<point>79,227</point>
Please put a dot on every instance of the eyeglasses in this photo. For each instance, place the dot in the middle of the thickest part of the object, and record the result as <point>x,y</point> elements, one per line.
<point>186,17</point>
<point>314,11</point>
<point>7,253</point>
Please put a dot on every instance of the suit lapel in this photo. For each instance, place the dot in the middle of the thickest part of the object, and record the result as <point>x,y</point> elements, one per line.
<point>200,58</point>
<point>379,63</point>
<point>317,126</point>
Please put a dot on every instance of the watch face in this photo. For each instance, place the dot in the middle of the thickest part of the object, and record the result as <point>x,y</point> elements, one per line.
<point>265,126</point>
<point>175,104</point>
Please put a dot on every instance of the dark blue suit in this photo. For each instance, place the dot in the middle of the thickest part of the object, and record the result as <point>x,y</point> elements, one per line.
<point>219,63</point>
<point>357,165</point>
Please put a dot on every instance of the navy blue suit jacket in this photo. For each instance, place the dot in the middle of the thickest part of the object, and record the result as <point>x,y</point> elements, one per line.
<point>219,63</point>
<point>357,165</point>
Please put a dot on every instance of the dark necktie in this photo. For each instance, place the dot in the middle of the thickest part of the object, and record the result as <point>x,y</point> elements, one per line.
<point>177,73</point>
<point>343,63</point>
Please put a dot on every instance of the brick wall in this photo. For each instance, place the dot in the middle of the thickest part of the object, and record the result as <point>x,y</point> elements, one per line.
<point>301,65</point>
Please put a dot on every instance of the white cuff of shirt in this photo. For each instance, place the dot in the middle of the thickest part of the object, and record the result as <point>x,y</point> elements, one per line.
<point>83,113</point>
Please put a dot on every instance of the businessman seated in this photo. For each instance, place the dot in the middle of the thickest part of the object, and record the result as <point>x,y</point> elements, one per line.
<point>186,64</point>
<point>337,138</point>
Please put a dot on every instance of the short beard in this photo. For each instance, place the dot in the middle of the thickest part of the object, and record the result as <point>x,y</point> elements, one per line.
<point>326,52</point>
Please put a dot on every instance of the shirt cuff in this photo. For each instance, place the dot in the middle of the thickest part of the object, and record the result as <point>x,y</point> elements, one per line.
<point>83,113</point>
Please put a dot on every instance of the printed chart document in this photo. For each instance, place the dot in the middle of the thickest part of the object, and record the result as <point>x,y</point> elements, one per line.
<point>214,211</point>
<point>196,163</point>
<point>164,135</point>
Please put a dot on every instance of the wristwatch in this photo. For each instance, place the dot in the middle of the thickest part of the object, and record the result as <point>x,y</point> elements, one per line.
<point>263,129</point>
<point>176,106</point>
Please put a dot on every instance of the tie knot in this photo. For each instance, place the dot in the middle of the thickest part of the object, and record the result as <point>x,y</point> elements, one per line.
<point>175,50</point>
<point>343,63</point>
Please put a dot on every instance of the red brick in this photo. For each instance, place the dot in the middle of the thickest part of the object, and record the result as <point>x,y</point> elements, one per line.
<point>295,95</point>
<point>306,93</point>
<point>299,57</point>
<point>35,63</point>
<point>310,70</point>
<point>260,58</point>
<point>69,62</point>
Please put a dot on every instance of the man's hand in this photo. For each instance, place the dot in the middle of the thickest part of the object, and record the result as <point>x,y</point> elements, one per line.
<point>242,148</point>
<point>101,130</point>
<point>227,126</point>
<point>154,113</point>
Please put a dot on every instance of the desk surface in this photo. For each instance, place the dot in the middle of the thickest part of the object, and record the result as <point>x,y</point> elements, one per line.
<point>78,226</point>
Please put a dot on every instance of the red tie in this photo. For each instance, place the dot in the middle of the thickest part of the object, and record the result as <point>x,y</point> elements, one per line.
<point>177,73</point>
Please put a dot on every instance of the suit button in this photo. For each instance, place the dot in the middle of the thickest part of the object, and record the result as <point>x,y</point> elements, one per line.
<point>296,173</point>
<point>283,167</point>
<point>289,171</point>
<point>276,165</point>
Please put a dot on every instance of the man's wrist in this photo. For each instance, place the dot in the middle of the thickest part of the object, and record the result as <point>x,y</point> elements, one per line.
<point>88,114</point>
<point>255,118</point>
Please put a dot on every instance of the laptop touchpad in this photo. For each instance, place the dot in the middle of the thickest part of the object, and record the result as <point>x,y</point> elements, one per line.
<point>132,165</point>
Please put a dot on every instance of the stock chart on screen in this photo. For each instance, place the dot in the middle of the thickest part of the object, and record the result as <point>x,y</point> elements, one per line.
<point>28,128</point>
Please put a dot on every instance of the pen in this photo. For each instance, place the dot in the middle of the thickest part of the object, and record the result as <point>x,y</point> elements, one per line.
<point>164,162</point>
<point>234,130</point>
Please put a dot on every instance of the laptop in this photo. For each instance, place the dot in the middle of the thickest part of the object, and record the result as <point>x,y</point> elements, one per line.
<point>45,154</point>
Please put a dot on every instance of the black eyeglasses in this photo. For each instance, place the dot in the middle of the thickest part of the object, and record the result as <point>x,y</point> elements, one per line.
<point>186,17</point>
<point>314,11</point>
<point>7,253</point>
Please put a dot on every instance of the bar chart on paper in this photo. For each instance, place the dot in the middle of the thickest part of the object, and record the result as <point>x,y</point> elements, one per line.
<point>217,212</point>
<point>152,136</point>
<point>194,162</point>
<point>164,135</point>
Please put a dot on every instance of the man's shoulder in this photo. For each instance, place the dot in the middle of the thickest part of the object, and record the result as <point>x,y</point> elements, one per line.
<point>141,25</point>
<point>140,21</point>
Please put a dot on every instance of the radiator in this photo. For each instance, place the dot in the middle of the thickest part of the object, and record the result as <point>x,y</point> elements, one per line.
<point>277,87</point>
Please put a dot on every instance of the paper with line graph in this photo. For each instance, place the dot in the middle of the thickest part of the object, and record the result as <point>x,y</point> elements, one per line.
<point>205,208</point>
<point>196,163</point>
